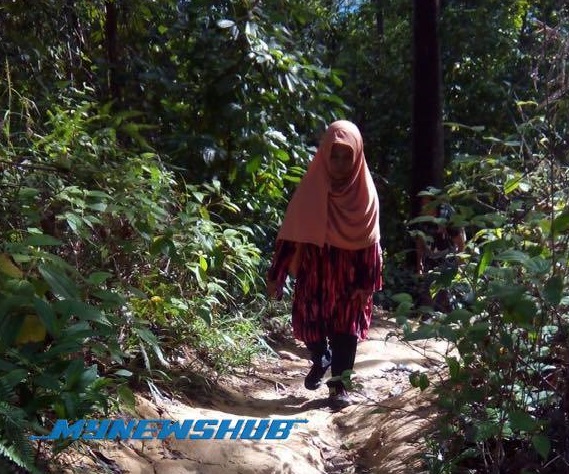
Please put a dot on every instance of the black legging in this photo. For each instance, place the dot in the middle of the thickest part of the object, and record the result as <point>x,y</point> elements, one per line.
<point>342,350</point>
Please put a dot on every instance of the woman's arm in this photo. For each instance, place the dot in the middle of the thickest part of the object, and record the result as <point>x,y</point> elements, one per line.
<point>276,276</point>
<point>368,272</point>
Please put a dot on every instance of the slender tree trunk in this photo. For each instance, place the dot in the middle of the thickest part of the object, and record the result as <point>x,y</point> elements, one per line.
<point>72,39</point>
<point>379,18</point>
<point>76,46</point>
<point>111,36</point>
<point>427,129</point>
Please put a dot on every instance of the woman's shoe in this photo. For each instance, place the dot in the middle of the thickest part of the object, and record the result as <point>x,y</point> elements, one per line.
<point>338,397</point>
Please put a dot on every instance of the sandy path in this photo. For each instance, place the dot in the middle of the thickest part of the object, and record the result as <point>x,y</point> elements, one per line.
<point>381,433</point>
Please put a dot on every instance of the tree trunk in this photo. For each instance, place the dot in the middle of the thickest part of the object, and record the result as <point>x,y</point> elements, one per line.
<point>111,36</point>
<point>76,48</point>
<point>427,129</point>
<point>379,19</point>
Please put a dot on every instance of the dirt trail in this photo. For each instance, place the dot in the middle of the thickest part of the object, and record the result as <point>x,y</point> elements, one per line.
<point>381,433</point>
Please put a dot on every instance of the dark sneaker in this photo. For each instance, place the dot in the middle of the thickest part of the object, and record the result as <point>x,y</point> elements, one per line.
<point>314,378</point>
<point>338,397</point>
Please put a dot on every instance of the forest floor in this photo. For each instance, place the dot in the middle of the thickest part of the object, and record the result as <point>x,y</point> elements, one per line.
<point>385,431</point>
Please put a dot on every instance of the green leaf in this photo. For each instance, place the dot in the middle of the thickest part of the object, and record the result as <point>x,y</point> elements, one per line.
<point>457,315</point>
<point>162,245</point>
<point>74,222</point>
<point>253,165</point>
<point>205,314</point>
<point>14,377</point>
<point>478,331</point>
<point>80,310</point>
<point>96,206</point>
<point>204,213</point>
<point>486,430</point>
<point>38,240</point>
<point>553,290</point>
<point>27,193</point>
<point>425,331</point>
<point>58,282</point>
<point>199,196</point>
<point>8,268</point>
<point>334,99</point>
<point>515,256</point>
<point>73,373</point>
<point>281,155</point>
<point>485,260</point>
<point>403,309</point>
<point>453,367</point>
<point>20,287</point>
<point>109,298</point>
<point>418,380</point>
<point>147,336</point>
<point>66,347</point>
<point>511,185</point>
<point>47,316</point>
<point>521,311</point>
<point>126,397</point>
<point>542,445</point>
<point>97,278</point>
<point>560,224</point>
<point>98,194</point>
<point>6,366</point>
<point>538,265</point>
<point>49,381</point>
<point>10,321</point>
<point>521,421</point>
<point>88,376</point>
<point>291,179</point>
<point>216,185</point>
<point>402,298</point>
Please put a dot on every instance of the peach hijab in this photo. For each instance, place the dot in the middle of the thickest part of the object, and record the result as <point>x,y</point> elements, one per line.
<point>347,218</point>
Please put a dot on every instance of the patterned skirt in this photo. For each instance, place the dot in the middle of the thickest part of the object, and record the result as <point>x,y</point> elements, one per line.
<point>326,280</point>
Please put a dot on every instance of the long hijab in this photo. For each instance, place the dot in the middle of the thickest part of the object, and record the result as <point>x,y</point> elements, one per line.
<point>346,218</point>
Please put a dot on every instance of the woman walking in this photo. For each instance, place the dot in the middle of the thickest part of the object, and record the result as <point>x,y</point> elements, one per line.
<point>330,241</point>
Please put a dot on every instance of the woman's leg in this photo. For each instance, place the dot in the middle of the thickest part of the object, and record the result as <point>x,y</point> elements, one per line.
<point>344,348</point>
<point>321,358</point>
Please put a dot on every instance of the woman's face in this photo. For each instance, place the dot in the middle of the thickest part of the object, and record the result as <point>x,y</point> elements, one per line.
<point>341,163</point>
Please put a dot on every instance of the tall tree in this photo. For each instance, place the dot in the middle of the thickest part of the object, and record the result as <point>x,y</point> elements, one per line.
<point>111,37</point>
<point>427,129</point>
<point>379,20</point>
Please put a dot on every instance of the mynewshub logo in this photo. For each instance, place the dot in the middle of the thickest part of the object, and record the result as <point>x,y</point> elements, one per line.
<point>239,428</point>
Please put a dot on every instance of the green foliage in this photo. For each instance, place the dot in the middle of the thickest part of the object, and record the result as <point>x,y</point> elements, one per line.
<point>46,325</point>
<point>505,387</point>
<point>15,446</point>
<point>142,180</point>
<point>75,303</point>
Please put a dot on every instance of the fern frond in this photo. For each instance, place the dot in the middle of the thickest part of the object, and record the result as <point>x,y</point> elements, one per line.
<point>14,445</point>
<point>6,392</point>
<point>11,454</point>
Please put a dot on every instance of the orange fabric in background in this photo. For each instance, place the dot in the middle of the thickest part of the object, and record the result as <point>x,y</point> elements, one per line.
<point>347,218</point>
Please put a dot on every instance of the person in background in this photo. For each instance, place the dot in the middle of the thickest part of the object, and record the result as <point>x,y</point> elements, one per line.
<point>330,241</point>
<point>436,243</point>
